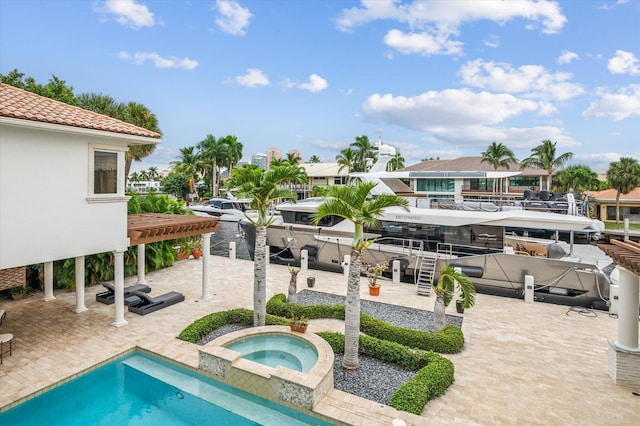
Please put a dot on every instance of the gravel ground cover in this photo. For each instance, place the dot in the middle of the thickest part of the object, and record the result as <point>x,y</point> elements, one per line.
<point>374,380</point>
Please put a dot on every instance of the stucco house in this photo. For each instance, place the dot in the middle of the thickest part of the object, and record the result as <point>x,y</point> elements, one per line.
<point>606,205</point>
<point>62,187</point>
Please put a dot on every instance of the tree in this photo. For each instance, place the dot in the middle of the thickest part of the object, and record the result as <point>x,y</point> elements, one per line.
<point>314,159</point>
<point>544,157</point>
<point>397,162</point>
<point>450,280</point>
<point>578,178</point>
<point>187,163</point>
<point>346,159</point>
<point>364,151</point>
<point>624,177</point>
<point>498,155</point>
<point>293,158</point>
<point>153,173</point>
<point>278,162</point>
<point>176,184</point>
<point>263,188</point>
<point>234,151</point>
<point>139,115</point>
<point>55,89</point>
<point>354,203</point>
<point>213,152</point>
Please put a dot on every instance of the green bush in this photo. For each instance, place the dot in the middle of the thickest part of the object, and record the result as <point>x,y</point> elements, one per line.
<point>449,341</point>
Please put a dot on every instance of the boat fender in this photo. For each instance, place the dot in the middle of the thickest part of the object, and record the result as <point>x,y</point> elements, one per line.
<point>312,251</point>
<point>470,271</point>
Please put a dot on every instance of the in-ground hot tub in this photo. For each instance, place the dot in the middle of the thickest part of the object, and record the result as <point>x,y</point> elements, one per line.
<point>275,349</point>
<point>277,381</point>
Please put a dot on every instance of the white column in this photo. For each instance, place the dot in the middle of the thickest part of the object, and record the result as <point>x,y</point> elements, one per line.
<point>80,307</point>
<point>48,282</point>
<point>142,279</point>
<point>304,260</point>
<point>628,310</point>
<point>395,272</point>
<point>118,277</point>
<point>206,261</point>
<point>232,250</point>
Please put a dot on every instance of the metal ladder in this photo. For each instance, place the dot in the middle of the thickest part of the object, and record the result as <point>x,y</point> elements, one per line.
<point>425,275</point>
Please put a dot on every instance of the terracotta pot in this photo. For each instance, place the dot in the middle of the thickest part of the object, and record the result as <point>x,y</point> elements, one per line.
<point>374,290</point>
<point>298,328</point>
<point>196,253</point>
<point>183,256</point>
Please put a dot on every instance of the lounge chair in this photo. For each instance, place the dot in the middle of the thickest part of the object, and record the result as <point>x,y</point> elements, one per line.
<point>109,297</point>
<point>148,304</point>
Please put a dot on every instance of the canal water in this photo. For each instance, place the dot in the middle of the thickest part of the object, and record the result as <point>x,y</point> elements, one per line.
<point>229,231</point>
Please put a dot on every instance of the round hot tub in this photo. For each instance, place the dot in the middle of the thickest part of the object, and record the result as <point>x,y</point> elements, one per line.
<point>276,349</point>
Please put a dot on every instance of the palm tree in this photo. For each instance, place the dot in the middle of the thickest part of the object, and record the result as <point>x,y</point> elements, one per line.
<point>213,152</point>
<point>498,155</point>
<point>140,116</point>
<point>263,188</point>
<point>624,176</point>
<point>544,157</point>
<point>346,159</point>
<point>397,162</point>
<point>354,203</point>
<point>449,281</point>
<point>314,159</point>
<point>364,151</point>
<point>143,175</point>
<point>187,163</point>
<point>153,172</point>
<point>234,151</point>
<point>293,158</point>
<point>278,162</point>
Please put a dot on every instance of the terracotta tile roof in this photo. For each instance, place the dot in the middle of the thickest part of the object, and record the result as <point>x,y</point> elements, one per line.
<point>467,164</point>
<point>610,194</point>
<point>18,103</point>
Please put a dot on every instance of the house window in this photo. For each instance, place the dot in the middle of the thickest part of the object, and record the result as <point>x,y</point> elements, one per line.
<point>435,185</point>
<point>340,180</point>
<point>105,172</point>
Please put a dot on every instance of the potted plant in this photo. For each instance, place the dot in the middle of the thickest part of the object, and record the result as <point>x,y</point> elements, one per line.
<point>374,271</point>
<point>19,292</point>
<point>299,324</point>
<point>184,249</point>
<point>196,247</point>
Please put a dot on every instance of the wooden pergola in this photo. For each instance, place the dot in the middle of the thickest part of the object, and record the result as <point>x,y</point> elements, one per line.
<point>625,253</point>
<point>153,227</point>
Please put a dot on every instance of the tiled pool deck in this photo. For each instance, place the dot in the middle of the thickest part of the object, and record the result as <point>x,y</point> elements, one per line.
<point>525,364</point>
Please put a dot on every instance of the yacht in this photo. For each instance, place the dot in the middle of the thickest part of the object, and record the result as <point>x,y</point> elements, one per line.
<point>226,209</point>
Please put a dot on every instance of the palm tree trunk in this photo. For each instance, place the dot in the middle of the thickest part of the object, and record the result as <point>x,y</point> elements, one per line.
<point>439,320</point>
<point>352,314</point>
<point>260,278</point>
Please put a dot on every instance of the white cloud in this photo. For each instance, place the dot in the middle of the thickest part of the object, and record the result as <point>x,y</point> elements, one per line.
<point>422,43</point>
<point>315,84</point>
<point>493,41</point>
<point>532,80</point>
<point>446,108</point>
<point>254,77</point>
<point>566,57</point>
<point>624,63</point>
<point>431,23</point>
<point>128,13</point>
<point>617,106</point>
<point>232,18</point>
<point>159,62</point>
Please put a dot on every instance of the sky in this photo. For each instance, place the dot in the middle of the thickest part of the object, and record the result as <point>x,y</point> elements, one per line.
<point>439,79</point>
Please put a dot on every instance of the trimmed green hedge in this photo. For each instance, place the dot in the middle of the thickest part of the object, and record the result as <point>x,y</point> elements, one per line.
<point>449,341</point>
<point>435,373</point>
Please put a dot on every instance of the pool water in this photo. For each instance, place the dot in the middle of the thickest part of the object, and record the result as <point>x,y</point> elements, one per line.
<point>276,350</point>
<point>140,389</point>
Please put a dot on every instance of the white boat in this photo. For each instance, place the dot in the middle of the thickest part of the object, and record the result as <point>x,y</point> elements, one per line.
<point>225,209</point>
<point>496,248</point>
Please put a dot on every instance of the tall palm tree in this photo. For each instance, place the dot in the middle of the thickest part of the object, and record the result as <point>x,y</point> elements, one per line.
<point>153,172</point>
<point>397,162</point>
<point>314,159</point>
<point>263,188</point>
<point>346,159</point>
<point>364,151</point>
<point>140,116</point>
<point>354,203</point>
<point>449,281</point>
<point>293,158</point>
<point>278,162</point>
<point>498,155</point>
<point>187,163</point>
<point>213,152</point>
<point>544,157</point>
<point>624,176</point>
<point>234,151</point>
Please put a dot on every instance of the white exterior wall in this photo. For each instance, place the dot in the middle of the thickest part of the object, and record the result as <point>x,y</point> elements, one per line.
<point>45,212</point>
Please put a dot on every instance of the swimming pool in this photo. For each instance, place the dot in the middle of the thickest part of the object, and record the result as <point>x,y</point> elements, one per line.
<point>140,389</point>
